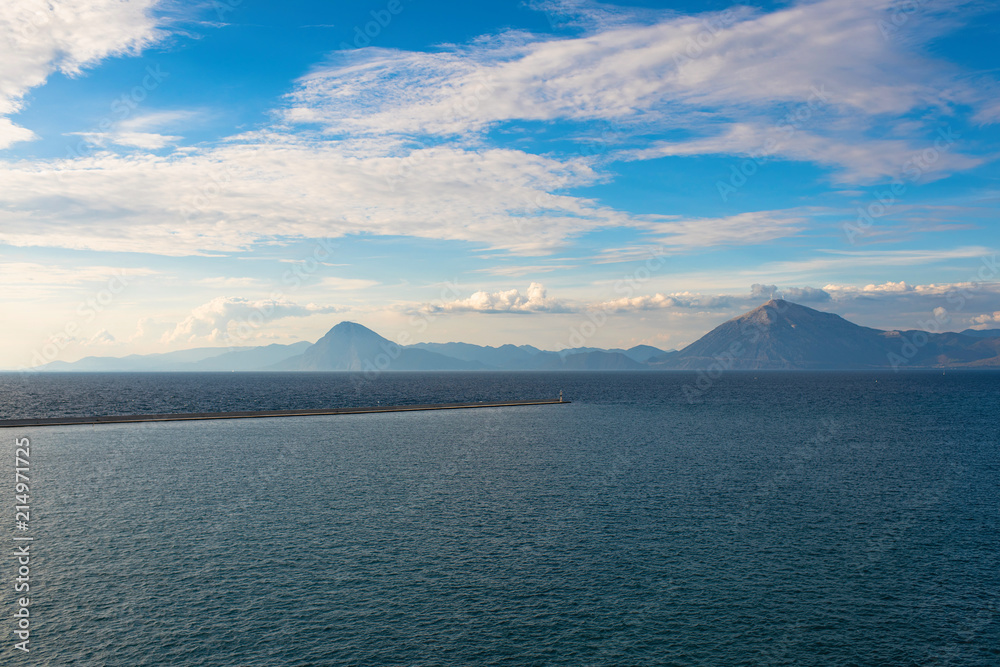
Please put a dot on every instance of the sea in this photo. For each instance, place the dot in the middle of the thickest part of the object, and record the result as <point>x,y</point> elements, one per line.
<point>657,518</point>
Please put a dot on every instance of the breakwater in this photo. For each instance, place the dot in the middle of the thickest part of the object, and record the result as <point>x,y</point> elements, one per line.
<point>257,414</point>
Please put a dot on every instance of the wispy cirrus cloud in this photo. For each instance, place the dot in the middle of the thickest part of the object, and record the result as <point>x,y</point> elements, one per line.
<point>707,74</point>
<point>143,131</point>
<point>278,187</point>
<point>840,260</point>
<point>640,72</point>
<point>854,159</point>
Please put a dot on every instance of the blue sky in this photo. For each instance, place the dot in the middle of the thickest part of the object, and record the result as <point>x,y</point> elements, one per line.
<point>235,173</point>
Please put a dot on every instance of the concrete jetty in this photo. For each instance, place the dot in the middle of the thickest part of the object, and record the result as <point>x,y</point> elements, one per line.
<point>256,414</point>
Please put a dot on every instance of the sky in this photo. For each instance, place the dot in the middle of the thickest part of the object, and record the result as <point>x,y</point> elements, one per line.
<point>558,173</point>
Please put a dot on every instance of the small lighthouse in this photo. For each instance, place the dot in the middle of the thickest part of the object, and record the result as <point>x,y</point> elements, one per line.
<point>560,396</point>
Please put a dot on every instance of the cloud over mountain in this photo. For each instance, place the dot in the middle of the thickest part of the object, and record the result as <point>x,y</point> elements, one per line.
<point>220,319</point>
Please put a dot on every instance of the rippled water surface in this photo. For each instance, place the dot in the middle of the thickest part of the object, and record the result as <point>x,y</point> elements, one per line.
<point>781,519</point>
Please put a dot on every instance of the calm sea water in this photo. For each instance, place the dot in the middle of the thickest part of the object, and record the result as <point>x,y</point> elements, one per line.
<point>782,519</point>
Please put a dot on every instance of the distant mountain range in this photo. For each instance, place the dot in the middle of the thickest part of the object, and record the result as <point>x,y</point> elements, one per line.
<point>778,335</point>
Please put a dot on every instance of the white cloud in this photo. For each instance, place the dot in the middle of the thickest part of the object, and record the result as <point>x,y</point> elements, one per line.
<point>985,320</point>
<point>11,134</point>
<point>855,159</point>
<point>659,301</point>
<point>267,187</point>
<point>742,229</point>
<point>796,294</point>
<point>39,37</point>
<point>829,297</point>
<point>31,280</point>
<point>226,198</point>
<point>902,289</point>
<point>740,69</point>
<point>228,318</point>
<point>833,260</point>
<point>136,130</point>
<point>716,59</point>
<point>534,300</point>
<point>145,140</point>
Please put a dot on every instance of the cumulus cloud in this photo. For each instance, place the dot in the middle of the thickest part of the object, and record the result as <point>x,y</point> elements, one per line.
<point>225,318</point>
<point>693,300</point>
<point>534,300</point>
<point>796,294</point>
<point>872,290</point>
<point>679,300</point>
<point>985,320</point>
<point>836,296</point>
